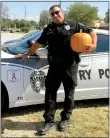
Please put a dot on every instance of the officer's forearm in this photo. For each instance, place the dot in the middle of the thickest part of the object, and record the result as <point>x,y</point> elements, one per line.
<point>94,38</point>
<point>34,47</point>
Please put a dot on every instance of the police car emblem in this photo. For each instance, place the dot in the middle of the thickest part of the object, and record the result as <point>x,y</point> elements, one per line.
<point>67,27</point>
<point>37,80</point>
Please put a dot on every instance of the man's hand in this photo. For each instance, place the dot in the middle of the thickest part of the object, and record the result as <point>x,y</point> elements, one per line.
<point>23,56</point>
<point>89,48</point>
<point>33,48</point>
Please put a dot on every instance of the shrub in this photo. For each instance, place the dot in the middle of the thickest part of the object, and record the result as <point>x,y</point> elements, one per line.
<point>11,31</point>
<point>25,29</point>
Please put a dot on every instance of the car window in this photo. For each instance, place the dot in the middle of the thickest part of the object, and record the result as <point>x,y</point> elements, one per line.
<point>102,43</point>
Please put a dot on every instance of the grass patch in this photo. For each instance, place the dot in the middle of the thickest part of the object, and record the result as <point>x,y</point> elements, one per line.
<point>89,119</point>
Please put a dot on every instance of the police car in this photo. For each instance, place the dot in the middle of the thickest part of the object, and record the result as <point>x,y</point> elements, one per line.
<point>23,81</point>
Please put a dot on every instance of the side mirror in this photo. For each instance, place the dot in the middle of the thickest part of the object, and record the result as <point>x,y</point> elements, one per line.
<point>42,52</point>
<point>30,43</point>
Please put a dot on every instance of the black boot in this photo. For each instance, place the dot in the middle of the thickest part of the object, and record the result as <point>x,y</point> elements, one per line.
<point>62,125</point>
<point>44,130</point>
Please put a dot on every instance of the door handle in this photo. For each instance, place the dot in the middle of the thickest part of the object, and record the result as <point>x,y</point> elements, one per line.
<point>83,65</point>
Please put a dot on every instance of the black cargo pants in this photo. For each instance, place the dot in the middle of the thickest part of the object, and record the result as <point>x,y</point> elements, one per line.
<point>60,71</point>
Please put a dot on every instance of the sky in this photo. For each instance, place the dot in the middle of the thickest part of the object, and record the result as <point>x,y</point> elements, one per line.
<point>33,9</point>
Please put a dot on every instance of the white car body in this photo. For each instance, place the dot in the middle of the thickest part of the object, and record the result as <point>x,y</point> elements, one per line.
<point>20,90</point>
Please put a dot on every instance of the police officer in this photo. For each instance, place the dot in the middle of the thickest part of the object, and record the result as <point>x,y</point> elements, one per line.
<point>63,63</point>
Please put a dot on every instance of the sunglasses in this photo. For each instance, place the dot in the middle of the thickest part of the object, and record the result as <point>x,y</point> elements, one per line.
<point>56,12</point>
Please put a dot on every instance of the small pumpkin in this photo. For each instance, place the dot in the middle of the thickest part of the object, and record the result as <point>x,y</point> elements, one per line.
<point>79,41</point>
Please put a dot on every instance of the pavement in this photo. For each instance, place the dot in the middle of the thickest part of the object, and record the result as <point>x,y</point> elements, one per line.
<point>5,36</point>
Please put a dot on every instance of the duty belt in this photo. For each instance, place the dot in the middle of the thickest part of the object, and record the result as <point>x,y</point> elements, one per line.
<point>59,59</point>
<point>56,58</point>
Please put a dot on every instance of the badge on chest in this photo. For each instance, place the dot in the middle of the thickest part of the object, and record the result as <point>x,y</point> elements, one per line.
<point>67,27</point>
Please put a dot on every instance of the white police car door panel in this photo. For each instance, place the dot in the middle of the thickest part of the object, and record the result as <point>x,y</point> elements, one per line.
<point>12,77</point>
<point>34,78</point>
<point>84,77</point>
<point>100,74</point>
<point>100,71</point>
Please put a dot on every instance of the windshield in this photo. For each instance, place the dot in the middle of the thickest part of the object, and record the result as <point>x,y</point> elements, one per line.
<point>22,47</point>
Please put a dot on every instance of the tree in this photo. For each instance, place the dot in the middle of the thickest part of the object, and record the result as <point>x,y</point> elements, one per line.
<point>4,12</point>
<point>44,18</point>
<point>4,16</point>
<point>83,13</point>
<point>16,23</point>
<point>106,19</point>
<point>22,23</point>
<point>34,24</point>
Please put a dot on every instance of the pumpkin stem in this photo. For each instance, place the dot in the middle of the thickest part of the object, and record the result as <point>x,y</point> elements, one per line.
<point>80,30</point>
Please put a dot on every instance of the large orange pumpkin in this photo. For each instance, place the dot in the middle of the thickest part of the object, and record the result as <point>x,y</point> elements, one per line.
<point>79,40</point>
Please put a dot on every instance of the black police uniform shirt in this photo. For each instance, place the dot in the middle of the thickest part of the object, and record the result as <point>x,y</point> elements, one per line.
<point>57,37</point>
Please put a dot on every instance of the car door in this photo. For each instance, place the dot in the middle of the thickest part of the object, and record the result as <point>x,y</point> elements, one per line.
<point>100,70</point>
<point>35,70</point>
<point>34,64</point>
<point>84,77</point>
